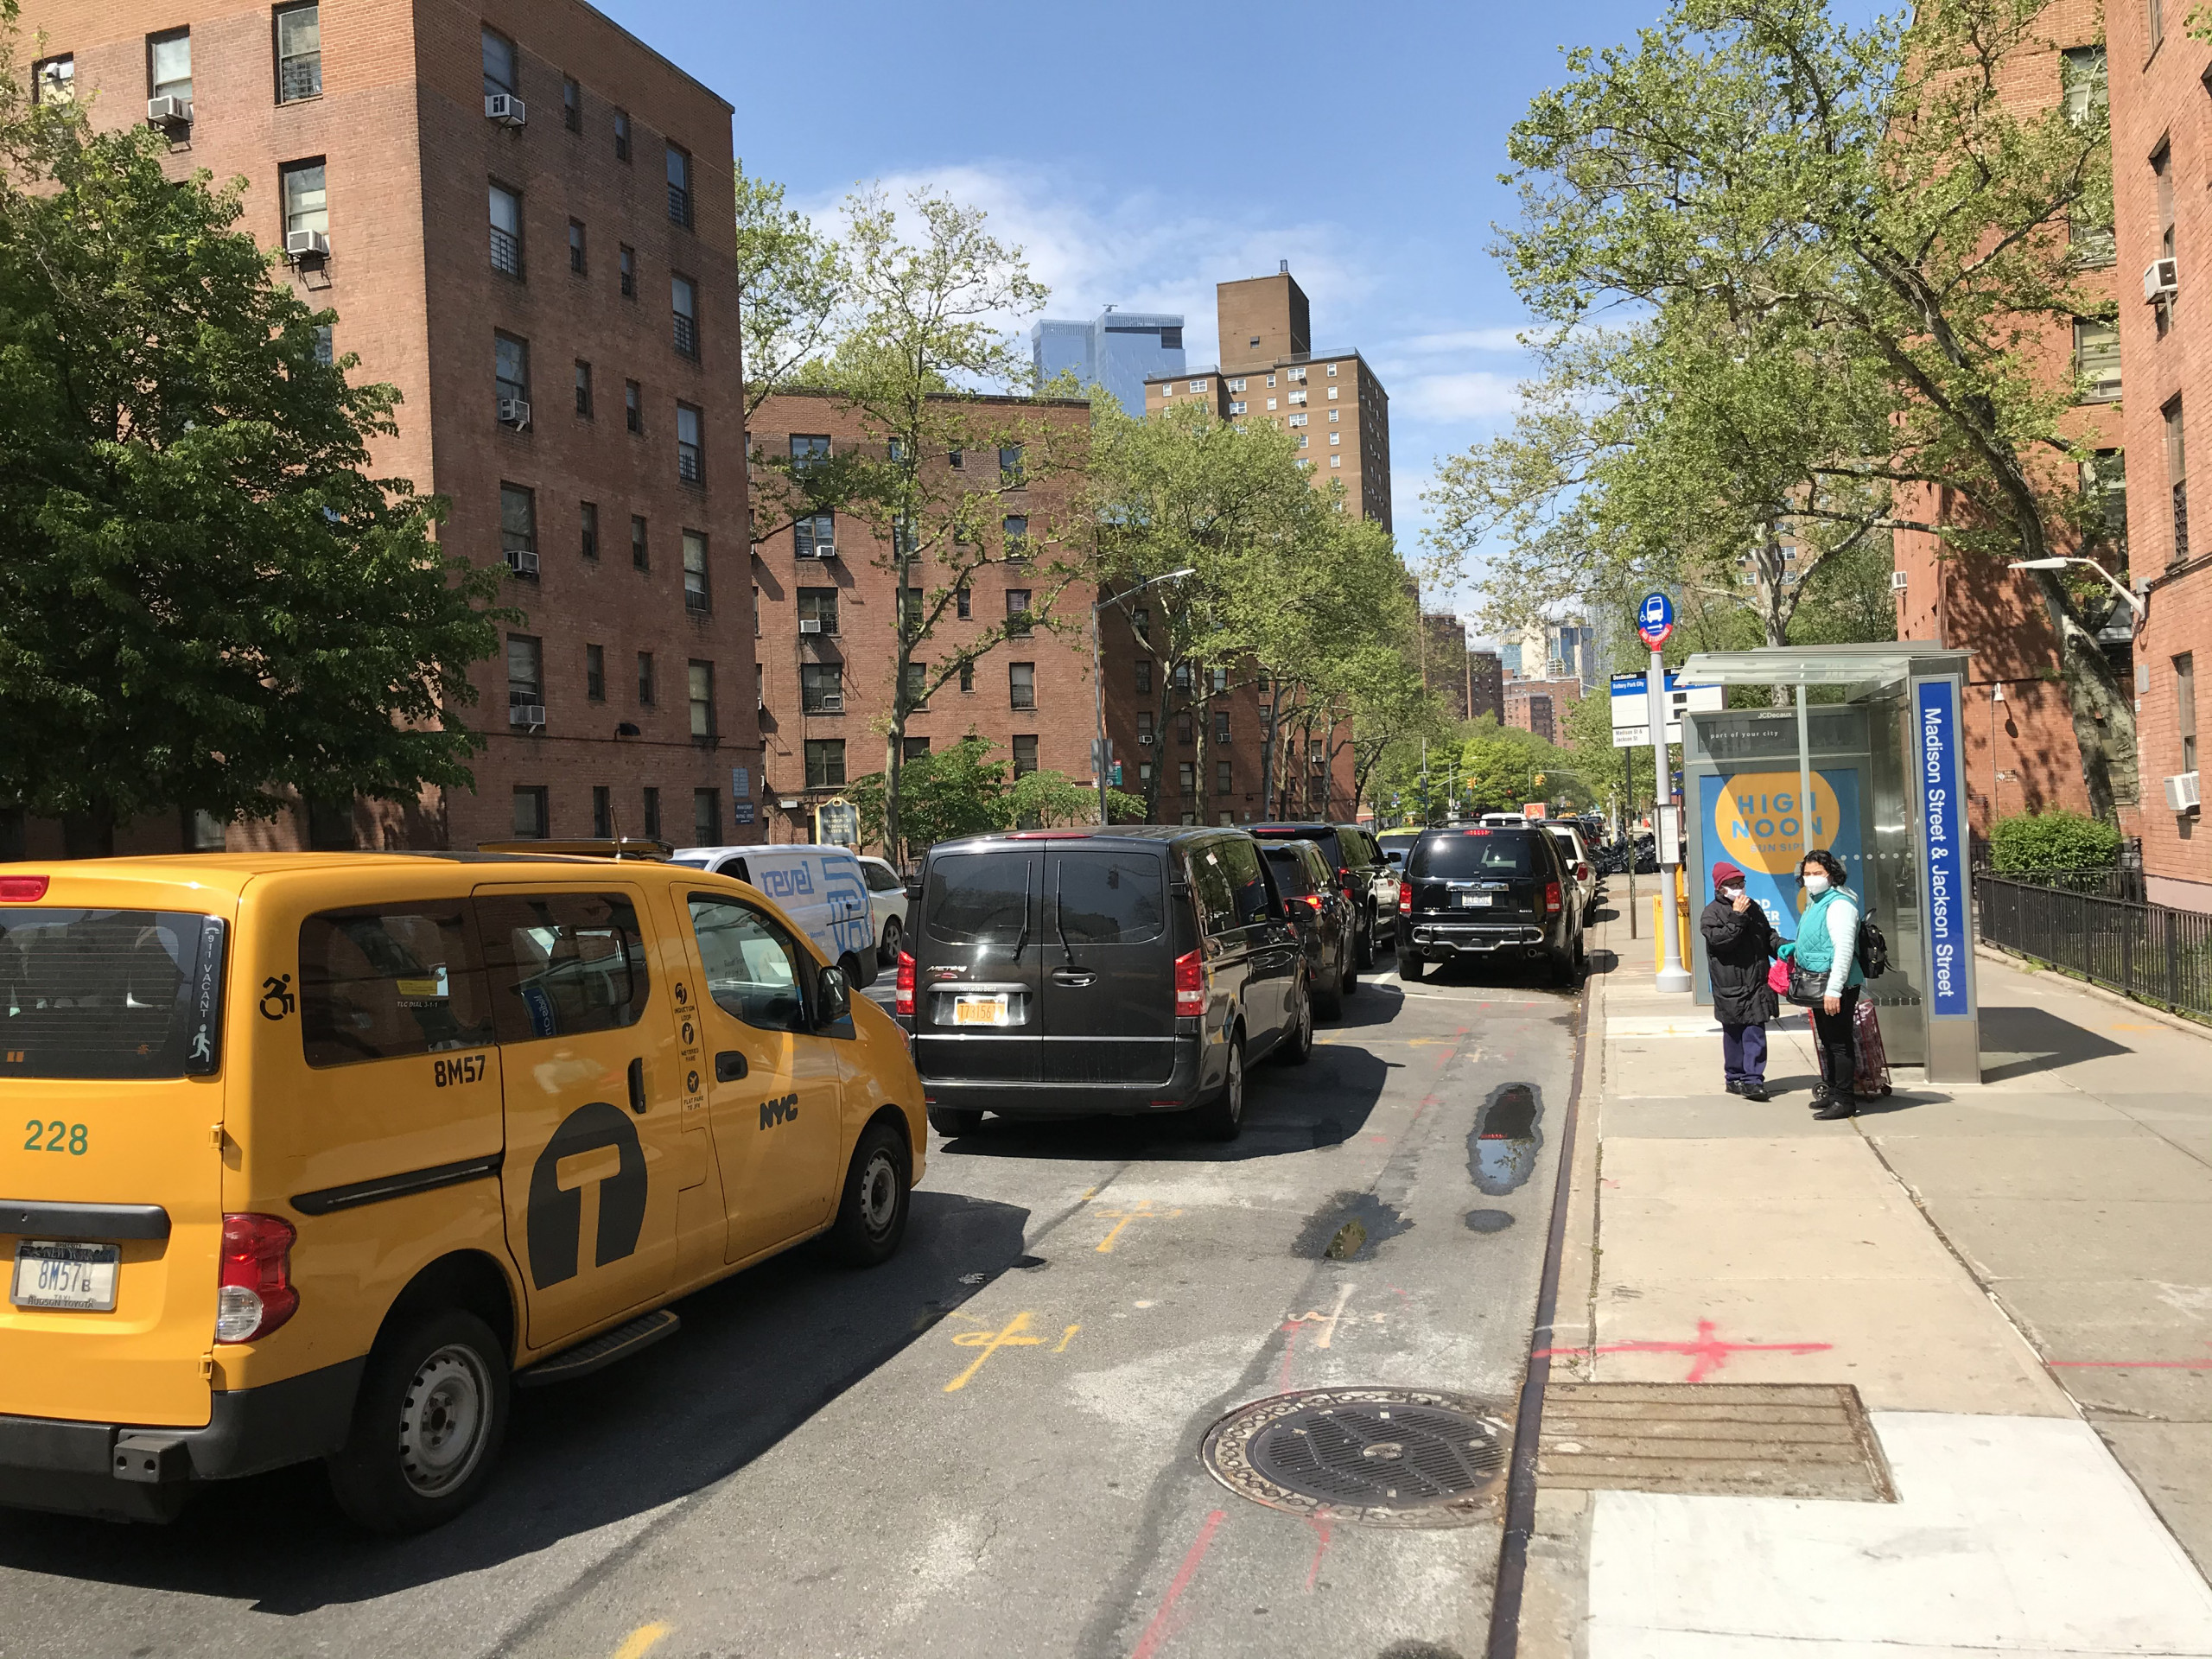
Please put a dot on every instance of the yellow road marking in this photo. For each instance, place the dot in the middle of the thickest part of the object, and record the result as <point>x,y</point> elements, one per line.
<point>1143,1210</point>
<point>990,1342</point>
<point>641,1640</point>
<point>1067,1337</point>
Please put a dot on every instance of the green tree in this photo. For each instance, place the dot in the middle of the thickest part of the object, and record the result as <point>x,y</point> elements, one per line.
<point>792,284</point>
<point>1832,244</point>
<point>206,600</point>
<point>962,791</point>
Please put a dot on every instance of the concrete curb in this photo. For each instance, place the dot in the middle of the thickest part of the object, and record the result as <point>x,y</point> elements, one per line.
<point>2030,964</point>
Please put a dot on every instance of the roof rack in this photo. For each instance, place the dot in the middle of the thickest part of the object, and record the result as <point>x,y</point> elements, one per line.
<point>616,848</point>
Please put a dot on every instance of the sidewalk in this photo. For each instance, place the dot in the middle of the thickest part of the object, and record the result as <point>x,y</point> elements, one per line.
<point>2016,1280</point>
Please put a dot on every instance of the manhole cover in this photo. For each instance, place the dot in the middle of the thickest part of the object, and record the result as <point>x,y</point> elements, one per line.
<point>1387,1457</point>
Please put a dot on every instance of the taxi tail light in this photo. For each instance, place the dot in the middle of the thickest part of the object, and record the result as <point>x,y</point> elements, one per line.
<point>903,1002</point>
<point>1190,984</point>
<point>254,1293</point>
<point>1551,899</point>
<point>23,889</point>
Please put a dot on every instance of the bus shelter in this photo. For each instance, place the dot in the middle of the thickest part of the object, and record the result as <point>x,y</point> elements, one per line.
<point>1878,780</point>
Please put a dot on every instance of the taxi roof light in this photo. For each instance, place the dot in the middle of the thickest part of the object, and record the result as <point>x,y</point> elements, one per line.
<point>23,889</point>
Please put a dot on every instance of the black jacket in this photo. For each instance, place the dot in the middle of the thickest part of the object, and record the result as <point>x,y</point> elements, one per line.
<point>1737,949</point>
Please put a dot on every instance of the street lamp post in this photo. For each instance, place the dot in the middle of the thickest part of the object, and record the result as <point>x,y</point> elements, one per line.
<point>2134,601</point>
<point>1098,679</point>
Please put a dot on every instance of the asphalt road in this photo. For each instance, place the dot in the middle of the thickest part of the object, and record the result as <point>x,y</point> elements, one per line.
<point>833,1463</point>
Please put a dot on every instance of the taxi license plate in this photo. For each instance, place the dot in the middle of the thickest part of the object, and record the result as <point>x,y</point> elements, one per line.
<point>1474,901</point>
<point>980,1010</point>
<point>78,1277</point>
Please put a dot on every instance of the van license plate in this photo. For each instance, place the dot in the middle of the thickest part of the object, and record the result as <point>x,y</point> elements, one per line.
<point>78,1277</point>
<point>980,1010</point>
<point>1474,901</point>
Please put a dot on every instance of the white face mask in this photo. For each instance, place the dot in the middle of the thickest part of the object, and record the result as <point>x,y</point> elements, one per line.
<point>1732,893</point>
<point>1816,882</point>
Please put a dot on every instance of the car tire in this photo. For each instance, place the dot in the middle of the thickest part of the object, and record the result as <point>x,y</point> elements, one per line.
<point>1567,969</point>
<point>949,1121</point>
<point>1296,1046</point>
<point>1348,982</point>
<point>1364,956</point>
<point>886,950</point>
<point>872,1212</point>
<point>1220,1118</point>
<point>428,1425</point>
<point>859,978</point>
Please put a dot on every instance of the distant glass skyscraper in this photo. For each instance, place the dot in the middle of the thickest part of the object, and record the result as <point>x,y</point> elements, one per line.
<point>1117,349</point>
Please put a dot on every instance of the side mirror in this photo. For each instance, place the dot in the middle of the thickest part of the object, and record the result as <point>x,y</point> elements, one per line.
<point>914,892</point>
<point>834,996</point>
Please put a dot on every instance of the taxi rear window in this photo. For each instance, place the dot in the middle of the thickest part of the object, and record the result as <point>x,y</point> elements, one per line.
<point>387,980</point>
<point>126,994</point>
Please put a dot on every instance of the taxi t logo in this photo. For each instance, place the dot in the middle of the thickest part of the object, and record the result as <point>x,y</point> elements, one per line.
<point>773,1112</point>
<point>554,1221</point>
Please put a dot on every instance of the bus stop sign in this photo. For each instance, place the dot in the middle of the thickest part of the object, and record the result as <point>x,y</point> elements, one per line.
<point>1655,619</point>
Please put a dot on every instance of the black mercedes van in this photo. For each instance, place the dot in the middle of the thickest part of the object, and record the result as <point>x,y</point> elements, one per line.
<point>1058,973</point>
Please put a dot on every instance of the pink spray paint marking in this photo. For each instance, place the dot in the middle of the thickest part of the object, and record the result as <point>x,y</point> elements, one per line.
<point>1157,1632</point>
<point>1290,1352</point>
<point>1320,1527</point>
<point>1708,1353</point>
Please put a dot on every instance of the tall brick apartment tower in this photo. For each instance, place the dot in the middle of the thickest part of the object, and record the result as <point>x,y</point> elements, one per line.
<point>2162,167</point>
<point>523,219</point>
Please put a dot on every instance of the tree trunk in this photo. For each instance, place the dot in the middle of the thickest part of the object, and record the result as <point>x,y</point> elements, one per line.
<point>2103,710</point>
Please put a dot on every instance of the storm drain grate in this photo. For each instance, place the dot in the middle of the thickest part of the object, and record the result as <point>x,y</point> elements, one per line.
<point>1766,1440</point>
<point>1387,1457</point>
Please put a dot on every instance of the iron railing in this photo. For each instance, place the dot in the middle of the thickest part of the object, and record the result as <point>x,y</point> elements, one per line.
<point>2152,952</point>
<point>2122,883</point>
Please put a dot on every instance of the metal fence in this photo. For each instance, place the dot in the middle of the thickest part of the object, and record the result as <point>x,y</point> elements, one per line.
<point>2153,952</point>
<point>2122,883</point>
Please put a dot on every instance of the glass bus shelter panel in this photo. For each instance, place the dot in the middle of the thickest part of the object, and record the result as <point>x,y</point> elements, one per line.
<point>1894,884</point>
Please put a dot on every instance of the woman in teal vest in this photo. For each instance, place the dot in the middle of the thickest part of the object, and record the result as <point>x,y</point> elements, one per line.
<point>1827,945</point>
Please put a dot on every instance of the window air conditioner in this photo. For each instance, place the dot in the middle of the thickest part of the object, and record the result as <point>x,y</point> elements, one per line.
<point>2183,794</point>
<point>515,412</point>
<point>504,108</point>
<point>825,550</point>
<point>1897,583</point>
<point>526,713</point>
<point>1144,740</point>
<point>2161,279</point>
<point>809,624</point>
<point>523,561</point>
<point>306,245</point>
<point>169,112</point>
<point>832,703</point>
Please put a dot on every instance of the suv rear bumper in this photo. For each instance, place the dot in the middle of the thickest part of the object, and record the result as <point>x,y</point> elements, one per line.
<point>1436,939</point>
<point>125,1471</point>
<point>1183,1088</point>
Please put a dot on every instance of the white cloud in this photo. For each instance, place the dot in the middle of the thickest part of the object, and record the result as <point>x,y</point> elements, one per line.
<point>1462,394</point>
<point>1464,340</point>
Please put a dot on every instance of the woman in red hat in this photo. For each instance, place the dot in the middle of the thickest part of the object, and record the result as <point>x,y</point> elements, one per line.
<point>1738,942</point>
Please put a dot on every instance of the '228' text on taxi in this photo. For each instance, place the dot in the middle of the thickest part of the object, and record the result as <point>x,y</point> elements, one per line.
<point>308,1156</point>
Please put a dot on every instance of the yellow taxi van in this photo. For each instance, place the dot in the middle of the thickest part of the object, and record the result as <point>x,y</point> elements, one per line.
<point>315,1156</point>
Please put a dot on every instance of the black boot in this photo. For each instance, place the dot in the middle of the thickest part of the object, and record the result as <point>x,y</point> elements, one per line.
<point>1834,1104</point>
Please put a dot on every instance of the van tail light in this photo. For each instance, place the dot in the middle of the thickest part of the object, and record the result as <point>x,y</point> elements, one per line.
<point>1583,872</point>
<point>1313,900</point>
<point>1405,898</point>
<point>903,1003</point>
<point>254,1294</point>
<point>23,889</point>
<point>1190,984</point>
<point>1551,899</point>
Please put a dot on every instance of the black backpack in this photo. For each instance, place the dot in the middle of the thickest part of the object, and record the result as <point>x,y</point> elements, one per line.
<point>1873,951</point>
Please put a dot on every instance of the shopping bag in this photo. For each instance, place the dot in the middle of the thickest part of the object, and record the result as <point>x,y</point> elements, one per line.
<point>1777,978</point>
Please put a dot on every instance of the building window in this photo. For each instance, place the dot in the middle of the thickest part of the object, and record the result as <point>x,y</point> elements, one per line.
<point>634,408</point>
<point>697,600</point>
<point>626,260</point>
<point>962,603</point>
<point>1144,726</point>
<point>1186,781</point>
<point>1017,536</point>
<point>576,266</point>
<point>53,81</point>
<point>1144,673</point>
<point>822,688</point>
<point>519,528</point>
<point>1221,728</point>
<point>595,673</point>
<point>510,372</point>
<point>584,389</point>
<point>913,748</point>
<point>1336,438</point>
<point>2104,480</point>
<point>908,611</point>
<point>700,685</point>
<point>707,817</point>
<point>1237,385</point>
<point>1021,684</point>
<point>1017,613</point>
<point>1025,754</point>
<point>819,607</point>
<point>572,103</point>
<point>683,301</point>
<point>825,763</point>
<point>917,676</point>
<point>808,448</point>
<point>2185,708</point>
<point>325,347</point>
<point>640,555</point>
<point>2155,12</point>
<point>526,672</point>
<point>1332,393</point>
<point>2096,359</point>
<point>499,63</point>
<point>652,814</point>
<point>529,812</point>
<point>1336,460</point>
<point>691,459</point>
<point>679,187</point>
<point>602,812</point>
<point>1141,622</point>
<point>1296,399</point>
<point>587,517</point>
<point>169,65</point>
<point>814,535</point>
<point>621,135</point>
<point>2162,171</point>
<point>1221,778</point>
<point>1185,732</point>
<point>2178,480</point>
<point>1198,385</point>
<point>1144,774</point>
<point>645,678</point>
<point>299,53</point>
<point>1010,474</point>
<point>506,231</point>
<point>306,203</point>
<point>1332,371</point>
<point>1236,406</point>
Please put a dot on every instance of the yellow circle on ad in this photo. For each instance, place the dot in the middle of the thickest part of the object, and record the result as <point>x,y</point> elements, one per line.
<point>1755,822</point>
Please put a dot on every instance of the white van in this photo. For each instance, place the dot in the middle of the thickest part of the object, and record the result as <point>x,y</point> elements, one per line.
<point>821,888</point>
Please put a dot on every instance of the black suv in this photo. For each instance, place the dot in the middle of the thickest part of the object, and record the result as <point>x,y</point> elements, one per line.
<point>1057,973</point>
<point>1489,890</point>
<point>1359,863</point>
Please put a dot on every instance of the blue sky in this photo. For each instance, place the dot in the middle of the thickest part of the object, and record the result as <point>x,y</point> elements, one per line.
<point>1142,153</point>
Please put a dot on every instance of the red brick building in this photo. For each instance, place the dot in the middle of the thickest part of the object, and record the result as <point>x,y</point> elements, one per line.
<point>2161,169</point>
<point>526,224</point>
<point>1539,706</point>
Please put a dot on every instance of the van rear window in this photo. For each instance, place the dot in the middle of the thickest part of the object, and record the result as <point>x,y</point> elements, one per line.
<point>382,981</point>
<point>1464,854</point>
<point>1110,897</point>
<point>121,994</point>
<point>979,898</point>
<point>1291,874</point>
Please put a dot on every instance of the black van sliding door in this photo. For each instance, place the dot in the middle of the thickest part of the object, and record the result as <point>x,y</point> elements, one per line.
<point>1108,967</point>
<point>978,1013</point>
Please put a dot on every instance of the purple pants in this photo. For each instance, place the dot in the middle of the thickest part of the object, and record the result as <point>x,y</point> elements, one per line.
<point>1743,1052</point>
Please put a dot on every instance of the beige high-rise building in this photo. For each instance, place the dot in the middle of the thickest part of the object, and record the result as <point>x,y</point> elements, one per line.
<point>1268,371</point>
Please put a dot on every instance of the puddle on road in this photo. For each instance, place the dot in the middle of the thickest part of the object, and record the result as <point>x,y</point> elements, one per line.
<point>1502,1146</point>
<point>1350,1227</point>
<point>1487,1221</point>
